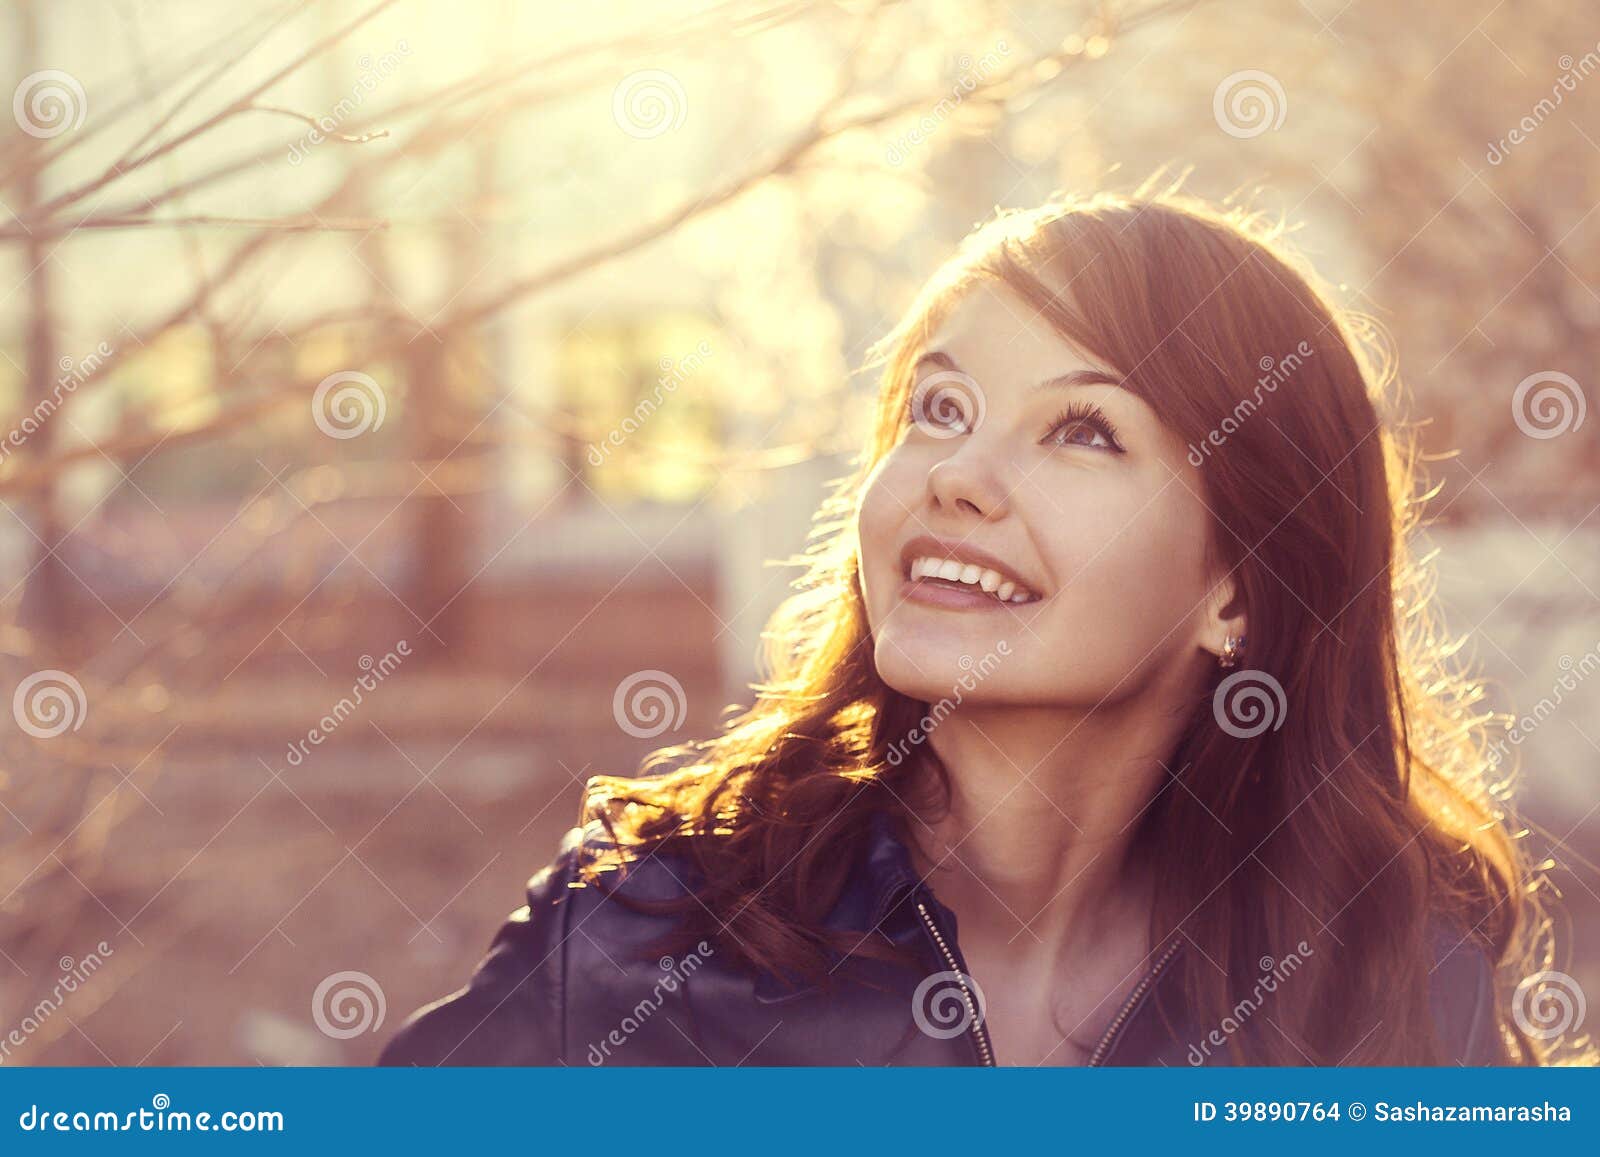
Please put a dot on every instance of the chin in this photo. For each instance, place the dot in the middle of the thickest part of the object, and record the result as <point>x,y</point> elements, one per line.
<point>922,670</point>
<point>915,672</point>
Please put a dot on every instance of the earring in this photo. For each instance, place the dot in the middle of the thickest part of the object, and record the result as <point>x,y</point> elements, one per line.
<point>1232,648</point>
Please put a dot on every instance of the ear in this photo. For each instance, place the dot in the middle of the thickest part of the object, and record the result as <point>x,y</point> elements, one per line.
<point>1224,616</point>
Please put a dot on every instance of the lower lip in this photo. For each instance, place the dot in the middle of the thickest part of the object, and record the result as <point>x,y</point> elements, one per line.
<point>952,598</point>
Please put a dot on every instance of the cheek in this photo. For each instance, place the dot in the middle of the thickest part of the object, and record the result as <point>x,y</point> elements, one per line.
<point>879,519</point>
<point>1131,577</point>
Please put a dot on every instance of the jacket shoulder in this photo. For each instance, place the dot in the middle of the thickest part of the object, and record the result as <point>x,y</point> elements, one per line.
<point>512,1010</point>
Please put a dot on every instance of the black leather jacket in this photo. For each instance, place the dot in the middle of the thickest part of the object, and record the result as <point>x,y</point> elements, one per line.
<point>564,983</point>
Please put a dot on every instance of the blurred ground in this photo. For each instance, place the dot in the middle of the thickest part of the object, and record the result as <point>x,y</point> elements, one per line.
<point>394,849</point>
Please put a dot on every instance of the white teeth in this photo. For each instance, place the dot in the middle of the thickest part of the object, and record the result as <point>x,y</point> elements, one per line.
<point>990,581</point>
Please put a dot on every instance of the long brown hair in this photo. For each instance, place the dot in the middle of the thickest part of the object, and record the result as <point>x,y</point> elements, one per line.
<point>1370,810</point>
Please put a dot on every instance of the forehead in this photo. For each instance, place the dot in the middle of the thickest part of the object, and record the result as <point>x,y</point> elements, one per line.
<point>993,332</point>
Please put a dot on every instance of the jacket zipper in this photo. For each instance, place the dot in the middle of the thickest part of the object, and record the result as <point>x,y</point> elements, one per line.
<point>978,1033</point>
<point>1098,1057</point>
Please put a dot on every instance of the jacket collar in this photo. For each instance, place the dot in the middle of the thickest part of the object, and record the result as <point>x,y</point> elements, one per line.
<point>881,884</point>
<point>889,877</point>
<point>887,870</point>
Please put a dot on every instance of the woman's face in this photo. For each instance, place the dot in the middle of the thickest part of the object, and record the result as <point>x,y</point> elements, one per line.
<point>1064,521</point>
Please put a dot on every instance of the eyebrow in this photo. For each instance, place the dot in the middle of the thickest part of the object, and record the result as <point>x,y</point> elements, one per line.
<point>1087,377</point>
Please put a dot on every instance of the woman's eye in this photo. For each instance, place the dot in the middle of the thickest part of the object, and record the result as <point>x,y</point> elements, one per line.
<point>1086,427</point>
<point>945,408</point>
<point>1079,434</point>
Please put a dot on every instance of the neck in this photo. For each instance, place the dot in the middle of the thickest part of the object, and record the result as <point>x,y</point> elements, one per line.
<point>1037,847</point>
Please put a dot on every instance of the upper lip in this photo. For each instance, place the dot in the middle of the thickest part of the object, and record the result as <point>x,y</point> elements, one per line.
<point>929,546</point>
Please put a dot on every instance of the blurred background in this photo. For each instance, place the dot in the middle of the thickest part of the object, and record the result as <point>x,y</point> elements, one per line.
<point>404,404</point>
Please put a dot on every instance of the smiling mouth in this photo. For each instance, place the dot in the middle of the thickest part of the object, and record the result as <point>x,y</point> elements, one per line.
<point>951,582</point>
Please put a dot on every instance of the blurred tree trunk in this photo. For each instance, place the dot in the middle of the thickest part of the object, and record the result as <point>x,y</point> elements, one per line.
<point>441,565</point>
<point>46,603</point>
<point>445,411</point>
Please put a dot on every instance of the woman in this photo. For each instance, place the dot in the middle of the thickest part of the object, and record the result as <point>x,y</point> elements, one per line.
<point>1108,657</point>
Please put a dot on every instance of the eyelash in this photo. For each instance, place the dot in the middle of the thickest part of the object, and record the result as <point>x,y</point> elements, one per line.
<point>1084,413</point>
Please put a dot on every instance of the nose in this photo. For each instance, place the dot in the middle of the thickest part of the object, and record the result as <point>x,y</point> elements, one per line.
<point>969,480</point>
